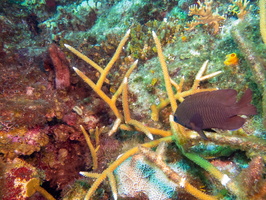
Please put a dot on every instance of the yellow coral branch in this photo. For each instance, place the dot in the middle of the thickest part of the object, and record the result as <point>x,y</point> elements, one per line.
<point>125,101</point>
<point>155,109</point>
<point>99,92</point>
<point>140,127</point>
<point>120,89</point>
<point>200,77</point>
<point>128,119</point>
<point>92,149</point>
<point>97,132</point>
<point>168,85</point>
<point>262,5</point>
<point>89,174</point>
<point>112,61</point>
<point>83,57</point>
<point>97,87</point>
<point>154,131</point>
<point>112,182</point>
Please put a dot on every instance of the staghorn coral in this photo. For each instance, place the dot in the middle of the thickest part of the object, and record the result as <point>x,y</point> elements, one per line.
<point>93,149</point>
<point>204,15</point>
<point>98,86</point>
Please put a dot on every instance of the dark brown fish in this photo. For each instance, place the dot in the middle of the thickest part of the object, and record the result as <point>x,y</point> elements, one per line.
<point>216,109</point>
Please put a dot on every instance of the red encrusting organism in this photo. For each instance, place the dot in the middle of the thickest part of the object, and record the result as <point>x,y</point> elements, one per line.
<point>61,67</point>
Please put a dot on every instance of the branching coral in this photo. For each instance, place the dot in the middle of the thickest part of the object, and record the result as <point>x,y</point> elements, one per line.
<point>240,8</point>
<point>112,101</point>
<point>93,150</point>
<point>177,134</point>
<point>97,87</point>
<point>204,16</point>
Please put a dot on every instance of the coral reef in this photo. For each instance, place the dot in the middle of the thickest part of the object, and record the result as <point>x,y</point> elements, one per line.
<point>61,137</point>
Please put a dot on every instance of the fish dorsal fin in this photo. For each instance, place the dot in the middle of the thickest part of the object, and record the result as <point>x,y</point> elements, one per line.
<point>225,97</point>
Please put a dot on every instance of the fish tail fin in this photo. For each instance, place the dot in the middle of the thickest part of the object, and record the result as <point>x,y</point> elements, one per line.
<point>243,105</point>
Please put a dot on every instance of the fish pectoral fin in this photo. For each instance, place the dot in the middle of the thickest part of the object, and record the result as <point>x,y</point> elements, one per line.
<point>196,124</point>
<point>196,119</point>
<point>199,131</point>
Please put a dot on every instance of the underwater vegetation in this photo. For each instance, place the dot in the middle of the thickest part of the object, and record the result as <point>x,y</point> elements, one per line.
<point>91,92</point>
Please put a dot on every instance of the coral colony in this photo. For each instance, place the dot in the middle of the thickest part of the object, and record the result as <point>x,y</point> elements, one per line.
<point>132,100</point>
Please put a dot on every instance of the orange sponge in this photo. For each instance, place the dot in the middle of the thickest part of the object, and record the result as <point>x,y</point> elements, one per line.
<point>231,59</point>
